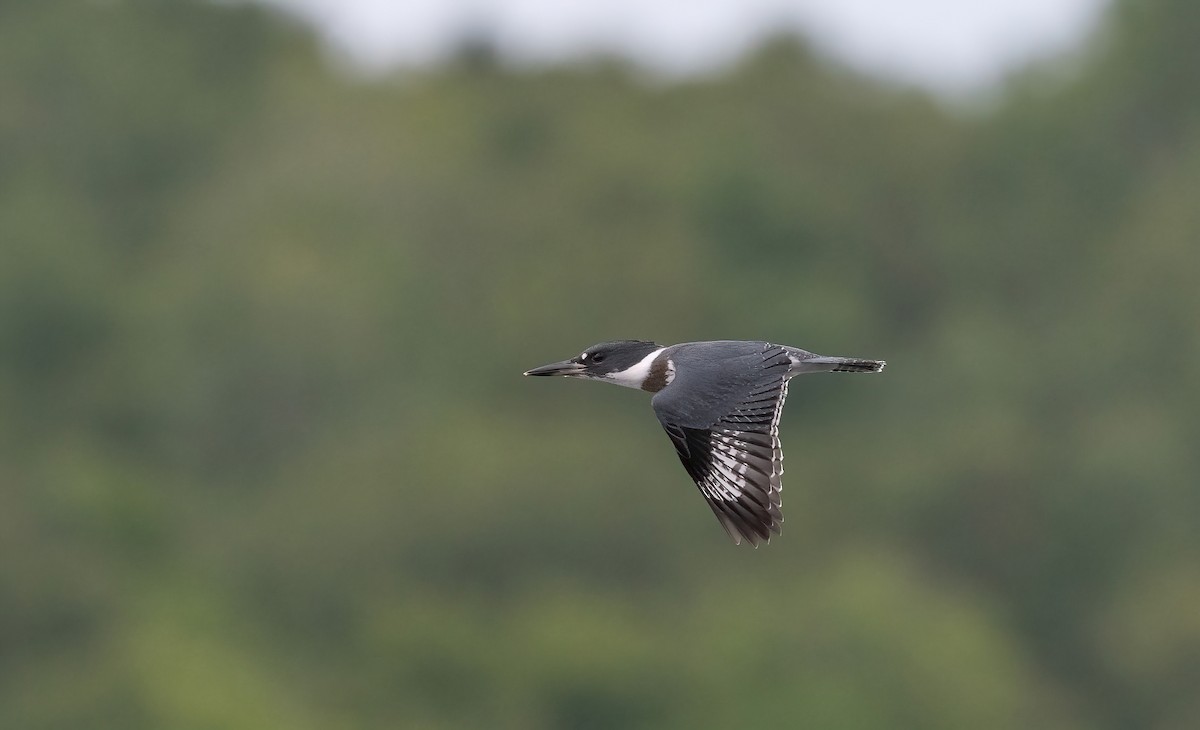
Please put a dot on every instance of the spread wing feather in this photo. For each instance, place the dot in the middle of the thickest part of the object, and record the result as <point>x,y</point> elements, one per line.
<point>732,450</point>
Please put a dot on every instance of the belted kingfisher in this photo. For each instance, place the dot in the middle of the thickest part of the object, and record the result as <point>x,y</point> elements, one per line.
<point>720,403</point>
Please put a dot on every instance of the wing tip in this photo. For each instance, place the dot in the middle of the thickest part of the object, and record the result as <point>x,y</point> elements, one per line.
<point>755,534</point>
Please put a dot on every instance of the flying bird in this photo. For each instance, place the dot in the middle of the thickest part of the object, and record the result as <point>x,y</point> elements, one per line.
<point>720,403</point>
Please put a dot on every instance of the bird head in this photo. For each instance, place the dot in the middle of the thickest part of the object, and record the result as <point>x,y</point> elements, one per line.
<point>605,361</point>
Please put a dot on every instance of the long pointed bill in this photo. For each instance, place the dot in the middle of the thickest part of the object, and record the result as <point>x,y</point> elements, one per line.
<point>566,367</point>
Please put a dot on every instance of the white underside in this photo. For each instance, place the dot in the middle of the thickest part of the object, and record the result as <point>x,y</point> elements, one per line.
<point>636,375</point>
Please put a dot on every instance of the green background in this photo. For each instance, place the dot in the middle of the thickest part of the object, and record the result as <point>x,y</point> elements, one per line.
<point>267,459</point>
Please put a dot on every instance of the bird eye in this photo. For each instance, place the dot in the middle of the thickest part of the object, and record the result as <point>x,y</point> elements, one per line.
<point>598,357</point>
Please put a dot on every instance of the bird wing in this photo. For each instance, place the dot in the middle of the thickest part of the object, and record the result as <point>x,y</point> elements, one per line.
<point>733,452</point>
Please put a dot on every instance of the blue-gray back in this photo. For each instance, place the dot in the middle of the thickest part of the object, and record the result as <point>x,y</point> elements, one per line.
<point>714,379</point>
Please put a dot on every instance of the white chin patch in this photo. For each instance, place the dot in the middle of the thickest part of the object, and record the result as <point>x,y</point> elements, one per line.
<point>636,375</point>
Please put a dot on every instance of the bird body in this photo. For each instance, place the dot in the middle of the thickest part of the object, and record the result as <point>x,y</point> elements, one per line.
<point>720,404</point>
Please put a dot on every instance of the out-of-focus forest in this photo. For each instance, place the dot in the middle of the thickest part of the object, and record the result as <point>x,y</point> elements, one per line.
<point>267,459</point>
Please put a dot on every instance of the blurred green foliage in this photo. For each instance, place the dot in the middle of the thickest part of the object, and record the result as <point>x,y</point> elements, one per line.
<point>267,460</point>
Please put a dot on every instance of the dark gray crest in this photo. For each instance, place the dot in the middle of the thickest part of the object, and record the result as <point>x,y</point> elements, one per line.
<point>612,357</point>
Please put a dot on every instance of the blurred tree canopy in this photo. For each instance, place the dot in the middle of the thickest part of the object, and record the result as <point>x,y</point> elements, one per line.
<point>267,460</point>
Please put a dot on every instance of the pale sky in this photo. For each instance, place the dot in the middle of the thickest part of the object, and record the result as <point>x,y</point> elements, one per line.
<point>946,45</point>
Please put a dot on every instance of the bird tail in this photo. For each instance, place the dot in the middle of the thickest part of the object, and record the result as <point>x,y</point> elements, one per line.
<point>821,364</point>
